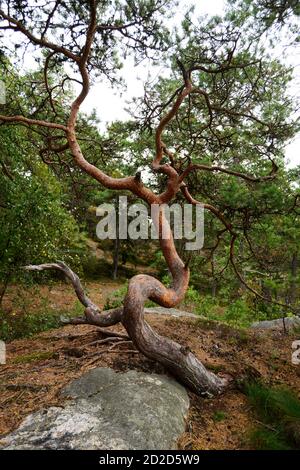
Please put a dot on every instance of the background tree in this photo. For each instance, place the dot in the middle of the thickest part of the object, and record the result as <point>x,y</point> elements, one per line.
<point>34,223</point>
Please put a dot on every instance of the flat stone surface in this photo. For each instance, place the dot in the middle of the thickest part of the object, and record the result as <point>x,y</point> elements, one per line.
<point>290,323</point>
<point>107,411</point>
<point>174,312</point>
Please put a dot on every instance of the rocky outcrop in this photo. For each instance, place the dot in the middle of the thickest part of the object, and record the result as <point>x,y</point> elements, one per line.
<point>111,411</point>
<point>288,322</point>
<point>174,312</point>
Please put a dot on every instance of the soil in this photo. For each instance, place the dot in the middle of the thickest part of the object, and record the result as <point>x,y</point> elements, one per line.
<point>38,367</point>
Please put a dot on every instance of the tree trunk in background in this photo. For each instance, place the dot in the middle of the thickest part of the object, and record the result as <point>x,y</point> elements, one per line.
<point>214,280</point>
<point>266,291</point>
<point>116,245</point>
<point>4,287</point>
<point>116,257</point>
<point>293,284</point>
<point>242,249</point>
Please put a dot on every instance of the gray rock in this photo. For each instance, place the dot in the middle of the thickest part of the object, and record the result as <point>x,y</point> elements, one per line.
<point>290,323</point>
<point>174,312</point>
<point>108,411</point>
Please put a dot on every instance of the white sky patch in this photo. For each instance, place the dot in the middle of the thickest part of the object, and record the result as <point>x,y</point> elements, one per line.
<point>110,104</point>
<point>292,153</point>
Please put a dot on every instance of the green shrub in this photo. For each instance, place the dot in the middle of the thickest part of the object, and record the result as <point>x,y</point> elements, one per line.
<point>94,268</point>
<point>238,313</point>
<point>36,356</point>
<point>115,299</point>
<point>28,324</point>
<point>201,304</point>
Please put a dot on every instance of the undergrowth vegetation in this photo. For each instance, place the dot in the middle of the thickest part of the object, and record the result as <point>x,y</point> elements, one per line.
<point>278,417</point>
<point>239,312</point>
<point>26,324</point>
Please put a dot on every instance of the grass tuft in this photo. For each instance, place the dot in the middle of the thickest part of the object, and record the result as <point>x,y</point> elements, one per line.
<point>279,411</point>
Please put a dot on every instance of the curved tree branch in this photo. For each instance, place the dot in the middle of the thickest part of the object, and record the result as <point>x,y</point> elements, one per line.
<point>33,122</point>
<point>209,207</point>
<point>42,42</point>
<point>252,179</point>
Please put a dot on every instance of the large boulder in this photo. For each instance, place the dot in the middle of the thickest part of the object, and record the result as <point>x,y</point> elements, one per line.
<point>109,411</point>
<point>288,322</point>
<point>174,312</point>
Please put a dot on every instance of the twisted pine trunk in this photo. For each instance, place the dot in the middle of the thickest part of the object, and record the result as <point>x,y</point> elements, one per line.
<point>174,357</point>
<point>177,359</point>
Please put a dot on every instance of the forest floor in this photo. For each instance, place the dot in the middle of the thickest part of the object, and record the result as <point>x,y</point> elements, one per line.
<point>39,366</point>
